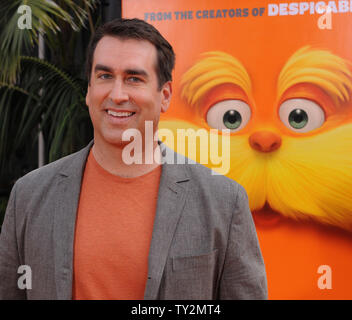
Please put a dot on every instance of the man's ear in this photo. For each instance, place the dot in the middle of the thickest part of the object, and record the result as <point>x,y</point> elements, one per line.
<point>88,96</point>
<point>166,92</point>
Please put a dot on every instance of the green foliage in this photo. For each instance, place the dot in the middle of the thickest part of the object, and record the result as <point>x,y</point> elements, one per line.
<point>45,98</point>
<point>48,17</point>
<point>42,95</point>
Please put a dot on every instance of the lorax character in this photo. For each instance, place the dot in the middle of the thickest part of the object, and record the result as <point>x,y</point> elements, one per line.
<point>291,149</point>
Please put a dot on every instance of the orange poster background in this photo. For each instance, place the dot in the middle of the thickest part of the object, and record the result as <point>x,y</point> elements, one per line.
<point>293,250</point>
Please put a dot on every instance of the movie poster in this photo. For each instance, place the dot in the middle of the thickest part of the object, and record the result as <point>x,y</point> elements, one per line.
<point>277,76</point>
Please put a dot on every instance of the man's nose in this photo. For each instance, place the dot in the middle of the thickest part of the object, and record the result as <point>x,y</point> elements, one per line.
<point>118,93</point>
<point>265,141</point>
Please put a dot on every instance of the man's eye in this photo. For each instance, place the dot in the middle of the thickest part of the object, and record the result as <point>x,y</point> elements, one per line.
<point>134,79</point>
<point>104,76</point>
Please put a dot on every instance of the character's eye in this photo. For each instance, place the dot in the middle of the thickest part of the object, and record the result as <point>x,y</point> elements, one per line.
<point>301,115</point>
<point>229,114</point>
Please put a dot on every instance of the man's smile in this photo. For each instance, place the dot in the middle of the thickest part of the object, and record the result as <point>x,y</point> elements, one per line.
<point>118,117</point>
<point>120,114</point>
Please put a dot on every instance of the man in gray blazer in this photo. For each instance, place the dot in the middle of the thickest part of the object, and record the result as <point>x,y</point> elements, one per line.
<point>203,243</point>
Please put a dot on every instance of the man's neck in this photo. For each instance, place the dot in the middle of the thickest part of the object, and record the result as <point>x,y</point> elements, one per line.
<point>110,157</point>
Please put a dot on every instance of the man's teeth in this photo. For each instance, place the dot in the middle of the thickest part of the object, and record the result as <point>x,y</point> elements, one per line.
<point>120,114</point>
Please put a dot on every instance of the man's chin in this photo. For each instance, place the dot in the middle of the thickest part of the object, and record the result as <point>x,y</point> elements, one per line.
<point>114,140</point>
<point>118,142</point>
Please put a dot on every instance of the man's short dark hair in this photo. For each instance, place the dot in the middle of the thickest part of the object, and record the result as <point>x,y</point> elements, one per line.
<point>139,30</point>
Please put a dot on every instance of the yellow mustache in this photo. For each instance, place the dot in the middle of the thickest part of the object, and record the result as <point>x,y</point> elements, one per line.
<point>306,178</point>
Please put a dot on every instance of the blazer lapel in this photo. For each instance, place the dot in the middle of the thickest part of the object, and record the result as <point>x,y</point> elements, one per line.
<point>65,209</point>
<point>171,200</point>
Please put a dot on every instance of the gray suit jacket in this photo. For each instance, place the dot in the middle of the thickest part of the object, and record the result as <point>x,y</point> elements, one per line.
<point>204,243</point>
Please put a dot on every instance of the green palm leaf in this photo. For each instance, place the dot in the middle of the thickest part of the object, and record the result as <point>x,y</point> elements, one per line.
<point>46,17</point>
<point>37,95</point>
<point>48,99</point>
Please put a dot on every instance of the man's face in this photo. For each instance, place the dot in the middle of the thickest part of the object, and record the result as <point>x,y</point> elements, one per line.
<point>123,91</point>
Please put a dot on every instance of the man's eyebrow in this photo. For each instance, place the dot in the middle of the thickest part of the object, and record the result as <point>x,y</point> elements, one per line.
<point>137,72</point>
<point>101,67</point>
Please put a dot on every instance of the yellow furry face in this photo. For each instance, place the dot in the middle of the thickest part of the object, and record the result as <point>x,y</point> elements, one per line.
<point>295,156</point>
<point>306,178</point>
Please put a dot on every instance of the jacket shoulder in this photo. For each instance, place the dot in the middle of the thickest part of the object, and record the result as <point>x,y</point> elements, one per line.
<point>44,175</point>
<point>215,182</point>
<point>202,172</point>
<point>202,177</point>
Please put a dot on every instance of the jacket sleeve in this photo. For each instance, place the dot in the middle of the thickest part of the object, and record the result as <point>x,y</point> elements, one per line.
<point>243,275</point>
<point>9,256</point>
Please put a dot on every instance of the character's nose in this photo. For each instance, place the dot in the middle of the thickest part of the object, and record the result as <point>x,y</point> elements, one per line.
<point>265,141</point>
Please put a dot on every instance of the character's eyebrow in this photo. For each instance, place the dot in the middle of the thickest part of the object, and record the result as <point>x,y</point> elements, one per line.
<point>214,69</point>
<point>318,67</point>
